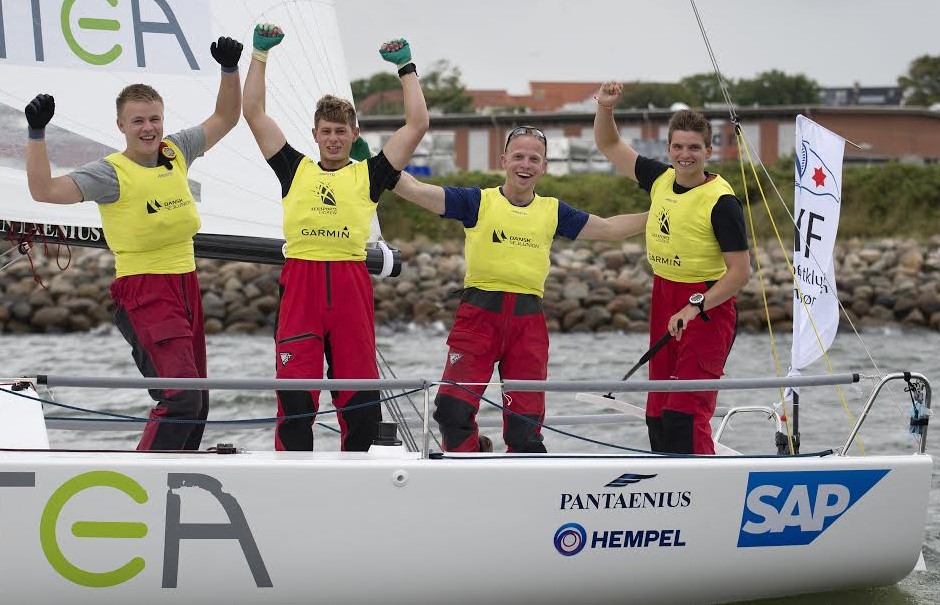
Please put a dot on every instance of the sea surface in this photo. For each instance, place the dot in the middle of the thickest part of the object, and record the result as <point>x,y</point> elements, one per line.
<point>420,352</point>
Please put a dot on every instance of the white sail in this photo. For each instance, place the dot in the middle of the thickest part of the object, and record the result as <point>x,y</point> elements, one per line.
<point>237,192</point>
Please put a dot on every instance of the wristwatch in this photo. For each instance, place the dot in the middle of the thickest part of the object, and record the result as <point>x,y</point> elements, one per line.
<point>698,300</point>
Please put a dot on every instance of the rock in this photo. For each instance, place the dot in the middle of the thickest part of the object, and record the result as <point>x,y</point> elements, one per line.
<point>595,317</point>
<point>575,291</point>
<point>79,323</point>
<point>242,327</point>
<point>213,306</point>
<point>424,310</point>
<point>252,291</point>
<point>572,318</point>
<point>49,317</point>
<point>246,315</point>
<point>404,287</point>
<point>40,297</point>
<point>213,326</point>
<point>21,310</point>
<point>265,304</point>
<point>620,321</point>
<point>613,259</point>
<point>61,284</point>
<point>935,320</point>
<point>911,261</point>
<point>92,291</point>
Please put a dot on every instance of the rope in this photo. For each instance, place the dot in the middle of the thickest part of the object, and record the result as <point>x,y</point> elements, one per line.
<point>115,417</point>
<point>745,147</point>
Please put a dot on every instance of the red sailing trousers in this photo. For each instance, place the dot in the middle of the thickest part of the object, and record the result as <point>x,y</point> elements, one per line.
<point>160,316</point>
<point>490,328</point>
<point>677,418</point>
<point>326,311</point>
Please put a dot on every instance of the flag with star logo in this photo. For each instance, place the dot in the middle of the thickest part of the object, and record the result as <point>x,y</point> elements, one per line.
<point>817,205</point>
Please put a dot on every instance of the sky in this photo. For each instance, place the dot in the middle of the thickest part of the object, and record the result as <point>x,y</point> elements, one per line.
<point>504,44</point>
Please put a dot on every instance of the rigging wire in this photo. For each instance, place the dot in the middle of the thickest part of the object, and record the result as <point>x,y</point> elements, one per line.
<point>386,367</point>
<point>745,146</point>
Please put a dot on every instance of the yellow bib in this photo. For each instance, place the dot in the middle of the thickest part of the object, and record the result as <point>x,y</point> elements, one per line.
<point>328,214</point>
<point>150,227</point>
<point>508,249</point>
<point>680,241</point>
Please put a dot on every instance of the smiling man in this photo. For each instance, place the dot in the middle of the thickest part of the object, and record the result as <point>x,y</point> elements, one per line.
<point>509,233</point>
<point>149,218</point>
<point>697,247</point>
<point>326,307</point>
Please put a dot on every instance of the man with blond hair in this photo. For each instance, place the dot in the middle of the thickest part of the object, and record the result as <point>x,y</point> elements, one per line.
<point>500,321</point>
<point>149,218</point>
<point>326,308</point>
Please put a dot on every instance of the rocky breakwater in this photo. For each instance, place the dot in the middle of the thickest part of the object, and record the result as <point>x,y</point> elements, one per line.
<point>591,287</point>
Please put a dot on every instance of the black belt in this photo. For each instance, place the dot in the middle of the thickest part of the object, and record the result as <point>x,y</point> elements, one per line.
<point>526,304</point>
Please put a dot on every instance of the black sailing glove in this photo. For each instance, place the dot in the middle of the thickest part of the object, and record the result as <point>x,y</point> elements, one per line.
<point>227,52</point>
<point>39,111</point>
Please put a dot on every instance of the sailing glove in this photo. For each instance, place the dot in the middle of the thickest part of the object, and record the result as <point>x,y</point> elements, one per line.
<point>227,52</point>
<point>38,113</point>
<point>266,37</point>
<point>396,51</point>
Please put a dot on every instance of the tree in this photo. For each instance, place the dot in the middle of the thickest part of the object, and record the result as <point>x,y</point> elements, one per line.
<point>644,95</point>
<point>442,87</point>
<point>774,87</point>
<point>375,83</point>
<point>444,90</point>
<point>704,88</point>
<point>921,83</point>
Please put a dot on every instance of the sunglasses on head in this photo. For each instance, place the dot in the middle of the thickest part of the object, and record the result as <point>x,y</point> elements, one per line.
<point>530,130</point>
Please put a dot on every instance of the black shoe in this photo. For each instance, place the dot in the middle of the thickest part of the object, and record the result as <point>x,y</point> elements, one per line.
<point>486,445</point>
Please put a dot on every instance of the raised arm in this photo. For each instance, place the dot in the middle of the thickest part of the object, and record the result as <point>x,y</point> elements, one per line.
<point>402,144</point>
<point>42,186</point>
<point>228,104</point>
<point>429,197</point>
<point>606,136</point>
<point>267,133</point>
<point>621,226</point>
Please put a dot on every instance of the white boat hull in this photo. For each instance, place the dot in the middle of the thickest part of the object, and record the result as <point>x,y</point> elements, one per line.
<point>335,528</point>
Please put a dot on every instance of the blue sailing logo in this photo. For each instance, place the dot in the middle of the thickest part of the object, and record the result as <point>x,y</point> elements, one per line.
<point>570,539</point>
<point>794,508</point>
<point>628,479</point>
<point>814,176</point>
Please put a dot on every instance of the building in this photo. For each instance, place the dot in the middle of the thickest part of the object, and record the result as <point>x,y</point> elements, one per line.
<point>877,133</point>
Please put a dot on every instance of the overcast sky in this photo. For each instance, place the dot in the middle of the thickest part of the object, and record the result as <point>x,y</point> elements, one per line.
<point>507,43</point>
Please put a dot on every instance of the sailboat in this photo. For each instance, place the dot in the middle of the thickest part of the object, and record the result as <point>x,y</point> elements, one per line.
<point>234,526</point>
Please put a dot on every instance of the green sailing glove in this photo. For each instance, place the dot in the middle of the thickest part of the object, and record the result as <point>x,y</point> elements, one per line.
<point>396,51</point>
<point>266,37</point>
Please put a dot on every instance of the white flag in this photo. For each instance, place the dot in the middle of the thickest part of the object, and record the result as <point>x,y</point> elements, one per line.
<point>817,202</point>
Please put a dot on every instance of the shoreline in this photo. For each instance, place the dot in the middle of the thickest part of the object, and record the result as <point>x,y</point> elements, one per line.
<point>592,287</point>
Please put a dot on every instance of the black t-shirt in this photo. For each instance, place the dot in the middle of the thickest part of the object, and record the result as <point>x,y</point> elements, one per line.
<point>727,214</point>
<point>286,161</point>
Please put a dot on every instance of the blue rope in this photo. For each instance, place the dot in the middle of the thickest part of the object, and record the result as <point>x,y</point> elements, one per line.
<point>604,443</point>
<point>545,426</point>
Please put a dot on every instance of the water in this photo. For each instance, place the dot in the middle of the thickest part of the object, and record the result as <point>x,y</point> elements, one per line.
<point>420,353</point>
